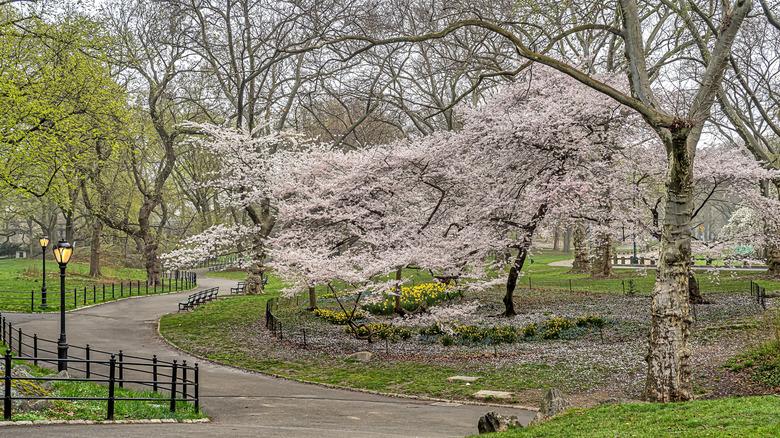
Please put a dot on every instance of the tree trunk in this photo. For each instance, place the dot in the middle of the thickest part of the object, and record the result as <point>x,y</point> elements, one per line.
<point>312,298</point>
<point>94,248</point>
<point>668,365</point>
<point>151,261</point>
<point>254,278</point>
<point>397,309</point>
<point>556,238</point>
<point>601,262</point>
<point>511,281</point>
<point>694,293</point>
<point>580,250</point>
<point>773,261</point>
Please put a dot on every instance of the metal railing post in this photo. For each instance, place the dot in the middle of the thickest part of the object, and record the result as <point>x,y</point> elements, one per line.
<point>154,373</point>
<point>121,370</point>
<point>7,391</point>
<point>86,356</point>
<point>19,341</point>
<point>184,378</point>
<point>111,382</point>
<point>197,389</point>
<point>173,386</point>
<point>35,349</point>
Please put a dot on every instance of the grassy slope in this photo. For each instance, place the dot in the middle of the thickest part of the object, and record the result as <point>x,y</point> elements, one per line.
<point>19,276</point>
<point>207,332</point>
<point>728,417</point>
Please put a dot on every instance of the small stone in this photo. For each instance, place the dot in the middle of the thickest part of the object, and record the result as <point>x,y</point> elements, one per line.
<point>494,422</point>
<point>485,393</point>
<point>467,379</point>
<point>553,403</point>
<point>361,356</point>
<point>155,420</point>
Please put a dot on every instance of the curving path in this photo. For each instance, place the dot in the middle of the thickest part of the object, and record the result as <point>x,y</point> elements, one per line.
<point>242,403</point>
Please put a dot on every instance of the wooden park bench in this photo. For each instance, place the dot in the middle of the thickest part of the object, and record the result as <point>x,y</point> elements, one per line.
<point>199,298</point>
<point>239,289</point>
<point>241,286</point>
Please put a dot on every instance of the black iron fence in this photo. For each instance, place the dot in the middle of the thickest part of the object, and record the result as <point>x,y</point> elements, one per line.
<point>97,293</point>
<point>178,380</point>
<point>219,263</point>
<point>758,292</point>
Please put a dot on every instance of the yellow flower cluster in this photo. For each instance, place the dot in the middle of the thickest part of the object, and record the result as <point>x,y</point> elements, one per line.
<point>412,297</point>
<point>336,316</point>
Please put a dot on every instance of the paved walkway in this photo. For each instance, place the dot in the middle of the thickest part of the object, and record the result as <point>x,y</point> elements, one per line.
<point>242,403</point>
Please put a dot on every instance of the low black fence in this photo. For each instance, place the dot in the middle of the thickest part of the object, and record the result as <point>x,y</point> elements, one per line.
<point>219,263</point>
<point>179,381</point>
<point>86,295</point>
<point>758,292</point>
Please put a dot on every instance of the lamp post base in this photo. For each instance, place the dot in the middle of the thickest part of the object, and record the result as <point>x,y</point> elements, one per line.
<point>62,355</point>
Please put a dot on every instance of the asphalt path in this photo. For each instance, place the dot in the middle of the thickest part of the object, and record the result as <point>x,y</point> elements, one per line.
<point>242,403</point>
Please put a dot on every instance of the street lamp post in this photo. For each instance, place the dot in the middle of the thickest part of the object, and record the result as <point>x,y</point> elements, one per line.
<point>44,241</point>
<point>62,253</point>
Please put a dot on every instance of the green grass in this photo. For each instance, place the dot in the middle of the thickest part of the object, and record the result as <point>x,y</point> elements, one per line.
<point>728,417</point>
<point>543,276</point>
<point>762,363</point>
<point>94,409</point>
<point>221,332</point>
<point>230,275</point>
<point>18,277</point>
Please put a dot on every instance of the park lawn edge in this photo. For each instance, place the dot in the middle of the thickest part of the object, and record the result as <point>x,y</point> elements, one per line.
<point>67,388</point>
<point>750,416</point>
<point>331,385</point>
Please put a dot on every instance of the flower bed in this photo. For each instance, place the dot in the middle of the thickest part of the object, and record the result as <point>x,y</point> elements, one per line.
<point>413,297</point>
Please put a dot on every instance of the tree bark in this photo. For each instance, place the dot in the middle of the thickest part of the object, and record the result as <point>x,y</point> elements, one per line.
<point>601,262</point>
<point>580,250</point>
<point>556,238</point>
<point>94,248</point>
<point>773,260</point>
<point>668,366</point>
<point>151,260</point>
<point>694,292</point>
<point>511,281</point>
<point>312,298</point>
<point>567,240</point>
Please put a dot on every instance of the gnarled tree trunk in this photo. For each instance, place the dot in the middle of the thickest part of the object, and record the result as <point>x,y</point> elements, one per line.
<point>668,365</point>
<point>773,260</point>
<point>580,250</point>
<point>601,260</point>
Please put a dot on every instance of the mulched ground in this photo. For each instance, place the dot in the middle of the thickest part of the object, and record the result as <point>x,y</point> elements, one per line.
<point>612,367</point>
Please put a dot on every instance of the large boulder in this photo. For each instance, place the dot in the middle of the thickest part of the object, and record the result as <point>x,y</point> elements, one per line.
<point>495,422</point>
<point>553,403</point>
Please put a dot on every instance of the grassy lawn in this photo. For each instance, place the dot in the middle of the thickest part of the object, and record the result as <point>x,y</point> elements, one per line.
<point>18,277</point>
<point>728,417</point>
<point>543,276</point>
<point>94,409</point>
<point>216,331</point>
<point>230,331</point>
<point>230,275</point>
